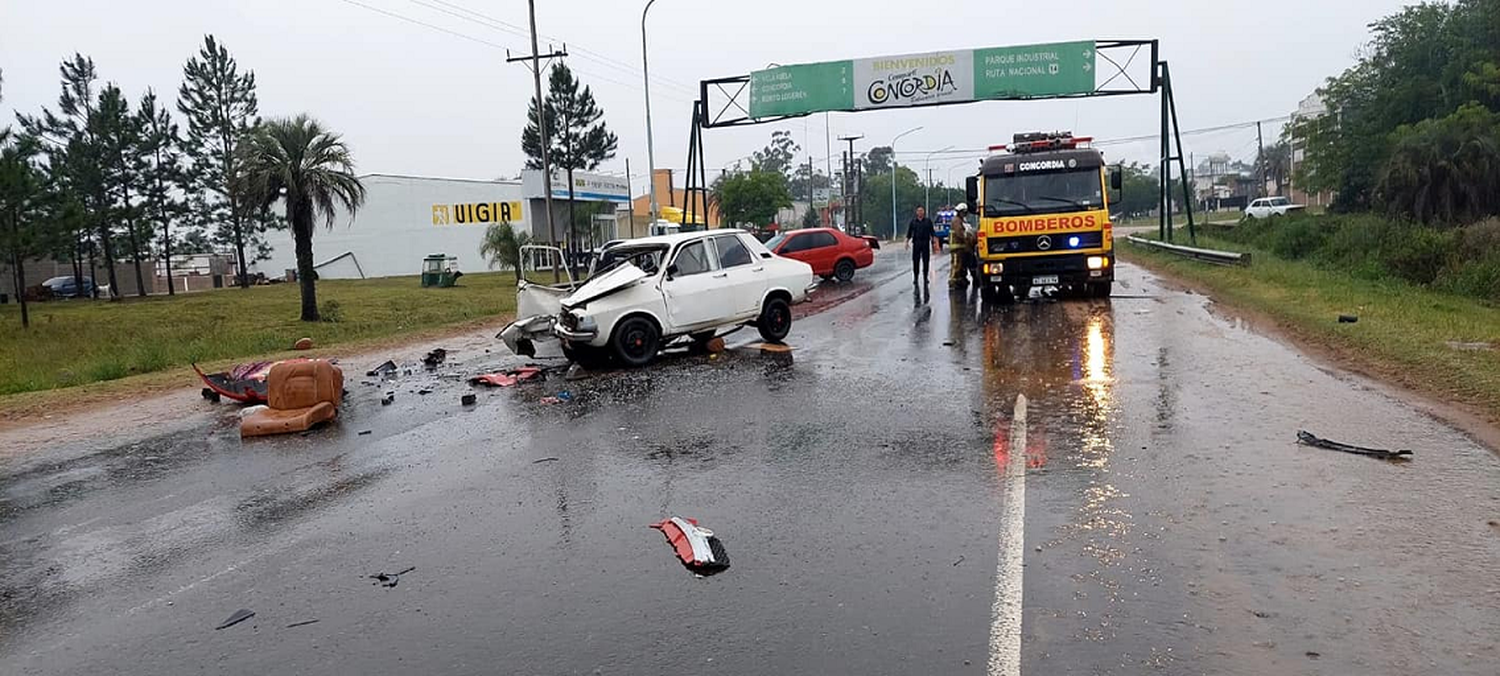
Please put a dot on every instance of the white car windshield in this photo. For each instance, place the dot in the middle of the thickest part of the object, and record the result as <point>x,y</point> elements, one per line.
<point>647,258</point>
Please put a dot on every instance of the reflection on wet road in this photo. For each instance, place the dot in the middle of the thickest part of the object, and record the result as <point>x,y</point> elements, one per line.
<point>860,483</point>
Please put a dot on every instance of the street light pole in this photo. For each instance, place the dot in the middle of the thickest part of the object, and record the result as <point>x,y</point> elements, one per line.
<point>928,164</point>
<point>893,177</point>
<point>650,147</point>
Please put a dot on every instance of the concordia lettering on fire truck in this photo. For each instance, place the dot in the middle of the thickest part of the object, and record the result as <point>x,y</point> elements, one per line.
<point>1043,207</point>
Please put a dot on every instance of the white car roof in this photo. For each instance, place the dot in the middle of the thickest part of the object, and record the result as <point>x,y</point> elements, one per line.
<point>680,237</point>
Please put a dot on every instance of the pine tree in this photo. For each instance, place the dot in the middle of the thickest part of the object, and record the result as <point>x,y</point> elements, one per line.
<point>160,167</point>
<point>220,106</point>
<point>575,126</point>
<point>118,133</point>
<point>73,160</point>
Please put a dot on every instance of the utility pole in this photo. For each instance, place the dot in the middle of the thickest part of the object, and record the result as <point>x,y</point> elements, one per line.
<point>1260,161</point>
<point>810,183</point>
<point>851,212</point>
<point>541,117</point>
<point>630,201</point>
<point>650,143</point>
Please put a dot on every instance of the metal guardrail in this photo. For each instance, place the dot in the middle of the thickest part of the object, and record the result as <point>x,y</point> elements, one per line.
<point>1206,255</point>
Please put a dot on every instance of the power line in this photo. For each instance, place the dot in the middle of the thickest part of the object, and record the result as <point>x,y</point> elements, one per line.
<point>487,43</point>
<point>488,21</point>
<point>1114,141</point>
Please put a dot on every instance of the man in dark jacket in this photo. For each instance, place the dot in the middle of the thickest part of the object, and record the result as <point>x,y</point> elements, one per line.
<point>919,239</point>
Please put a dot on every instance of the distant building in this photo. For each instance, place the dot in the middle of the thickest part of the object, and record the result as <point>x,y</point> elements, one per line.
<point>403,219</point>
<point>1311,108</point>
<point>669,196</point>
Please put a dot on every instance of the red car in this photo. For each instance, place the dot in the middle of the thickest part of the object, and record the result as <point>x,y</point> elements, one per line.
<point>831,253</point>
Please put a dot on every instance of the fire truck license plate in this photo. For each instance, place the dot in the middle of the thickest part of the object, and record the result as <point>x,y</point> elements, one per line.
<point>1044,280</point>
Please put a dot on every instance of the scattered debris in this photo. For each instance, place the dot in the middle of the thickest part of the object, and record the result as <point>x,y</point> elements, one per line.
<point>389,580</point>
<point>435,357</point>
<point>388,398</point>
<point>364,432</point>
<point>384,370</point>
<point>424,391</point>
<point>302,344</point>
<point>774,347</point>
<point>565,395</point>
<point>209,394</point>
<point>960,560</point>
<point>245,383</point>
<point>696,547</point>
<point>239,616</point>
<point>1307,438</point>
<point>301,624</point>
<point>575,372</point>
<point>1313,655</point>
<point>549,400</point>
<point>947,343</point>
<point>542,460</point>
<point>1348,319</point>
<point>468,399</point>
<point>508,378</point>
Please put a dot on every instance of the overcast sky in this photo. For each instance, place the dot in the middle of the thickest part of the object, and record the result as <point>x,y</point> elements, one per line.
<point>415,99</point>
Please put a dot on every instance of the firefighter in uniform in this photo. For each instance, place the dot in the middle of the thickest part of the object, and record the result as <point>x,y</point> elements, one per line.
<point>960,246</point>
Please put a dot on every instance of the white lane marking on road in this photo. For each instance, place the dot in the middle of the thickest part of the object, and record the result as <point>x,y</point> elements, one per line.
<point>1005,623</point>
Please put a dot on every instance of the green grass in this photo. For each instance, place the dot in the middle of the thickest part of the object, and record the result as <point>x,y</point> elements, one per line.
<point>79,342</point>
<point>1403,332</point>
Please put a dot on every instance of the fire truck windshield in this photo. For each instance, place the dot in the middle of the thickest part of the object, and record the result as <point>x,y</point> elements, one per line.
<point>1014,194</point>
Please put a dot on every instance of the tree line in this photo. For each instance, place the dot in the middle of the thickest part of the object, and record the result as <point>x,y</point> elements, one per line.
<point>1412,128</point>
<point>774,179</point>
<point>101,179</point>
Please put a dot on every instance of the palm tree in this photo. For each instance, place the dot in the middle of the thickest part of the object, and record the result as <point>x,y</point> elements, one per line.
<point>502,246</point>
<point>310,169</point>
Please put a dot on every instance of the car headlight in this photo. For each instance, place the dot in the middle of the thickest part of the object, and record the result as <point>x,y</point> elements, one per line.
<point>587,323</point>
<point>1098,262</point>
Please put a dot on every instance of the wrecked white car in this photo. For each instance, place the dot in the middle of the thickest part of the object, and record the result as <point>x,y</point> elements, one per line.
<point>646,293</point>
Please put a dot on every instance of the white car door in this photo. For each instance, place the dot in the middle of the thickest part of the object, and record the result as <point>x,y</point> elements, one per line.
<point>742,273</point>
<point>694,288</point>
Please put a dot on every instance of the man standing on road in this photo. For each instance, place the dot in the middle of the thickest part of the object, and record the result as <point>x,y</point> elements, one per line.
<point>919,239</point>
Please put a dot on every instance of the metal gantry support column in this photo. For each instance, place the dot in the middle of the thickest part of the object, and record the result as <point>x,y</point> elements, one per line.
<point>695,189</point>
<point>1187,190</point>
<point>1171,133</point>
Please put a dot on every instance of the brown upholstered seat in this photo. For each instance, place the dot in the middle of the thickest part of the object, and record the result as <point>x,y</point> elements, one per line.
<point>300,394</point>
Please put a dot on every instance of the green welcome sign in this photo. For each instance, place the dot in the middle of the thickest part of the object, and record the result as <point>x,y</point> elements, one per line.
<point>1019,72</point>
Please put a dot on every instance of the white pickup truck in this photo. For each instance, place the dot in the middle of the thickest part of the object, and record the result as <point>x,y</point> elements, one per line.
<point>645,293</point>
<point>1267,207</point>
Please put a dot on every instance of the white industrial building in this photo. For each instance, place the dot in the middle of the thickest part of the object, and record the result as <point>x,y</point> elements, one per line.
<point>405,218</point>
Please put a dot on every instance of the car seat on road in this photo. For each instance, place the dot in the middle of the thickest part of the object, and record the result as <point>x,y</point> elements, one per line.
<point>300,394</point>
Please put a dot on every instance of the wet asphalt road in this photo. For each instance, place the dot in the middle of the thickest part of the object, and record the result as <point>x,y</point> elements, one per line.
<point>1169,522</point>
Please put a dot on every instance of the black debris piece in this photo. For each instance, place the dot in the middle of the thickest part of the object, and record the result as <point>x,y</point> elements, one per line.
<point>239,616</point>
<point>468,399</point>
<point>541,460</point>
<point>301,624</point>
<point>435,357</point>
<point>389,580</point>
<point>383,370</point>
<point>960,560</point>
<point>364,432</point>
<point>424,391</point>
<point>1308,439</point>
<point>210,395</point>
<point>1348,319</point>
<point>388,398</point>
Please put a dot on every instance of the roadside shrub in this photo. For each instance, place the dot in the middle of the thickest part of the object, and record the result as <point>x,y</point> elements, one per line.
<point>331,311</point>
<point>1480,240</point>
<point>1294,238</point>
<point>1476,278</point>
<point>1419,254</point>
